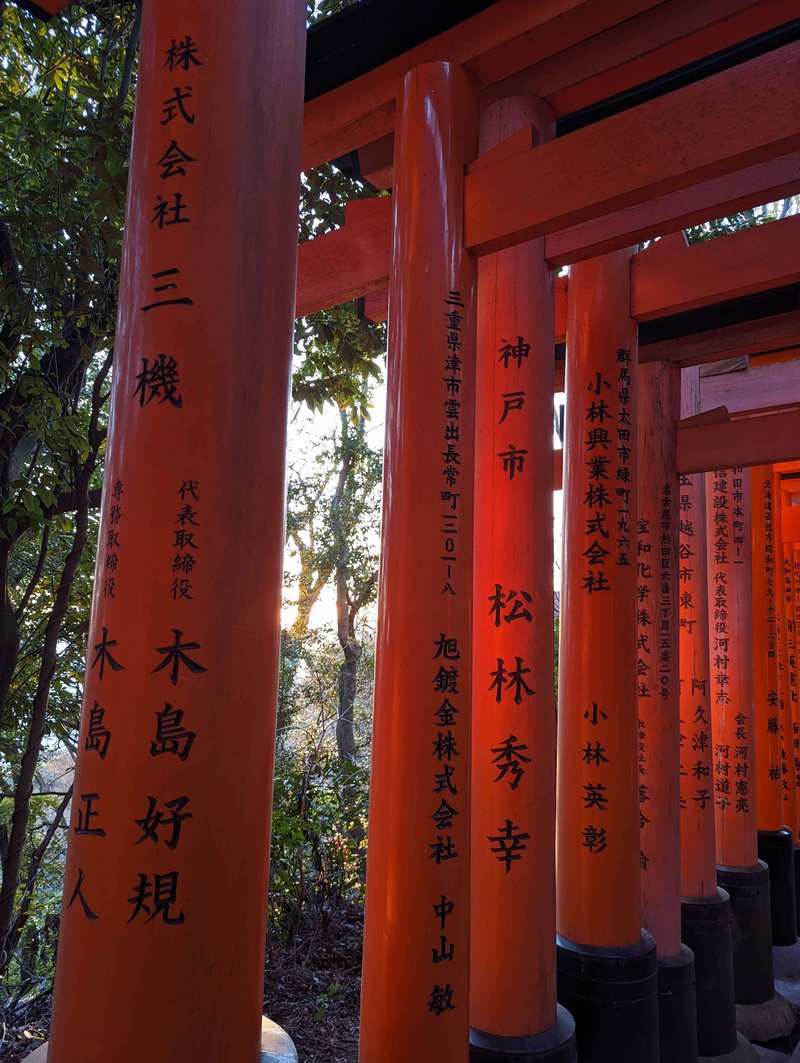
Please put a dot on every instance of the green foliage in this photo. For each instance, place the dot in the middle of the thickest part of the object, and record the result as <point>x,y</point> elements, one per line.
<point>338,359</point>
<point>318,831</point>
<point>743,219</point>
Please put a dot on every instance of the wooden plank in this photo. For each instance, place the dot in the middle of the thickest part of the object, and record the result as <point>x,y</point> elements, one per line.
<point>780,332</point>
<point>756,388</point>
<point>646,47</point>
<point>610,231</point>
<point>790,524</point>
<point>505,38</point>
<point>667,278</point>
<point>354,261</point>
<point>735,119</point>
<point>717,415</point>
<point>348,262</point>
<point>376,162</point>
<point>749,187</point>
<point>752,440</point>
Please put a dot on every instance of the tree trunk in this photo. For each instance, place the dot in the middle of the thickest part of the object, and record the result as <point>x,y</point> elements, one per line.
<point>345,735</point>
<point>12,859</point>
<point>9,633</point>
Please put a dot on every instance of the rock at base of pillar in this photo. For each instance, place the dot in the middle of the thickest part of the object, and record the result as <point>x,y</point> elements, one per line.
<point>766,1022</point>
<point>776,849</point>
<point>555,1045</point>
<point>612,994</point>
<point>751,927</point>
<point>742,1053</point>
<point>677,1008</point>
<point>276,1046</point>
<point>706,929</point>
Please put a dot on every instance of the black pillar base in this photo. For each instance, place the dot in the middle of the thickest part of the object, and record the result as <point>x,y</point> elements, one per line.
<point>751,926</point>
<point>797,882</point>
<point>613,996</point>
<point>556,1045</point>
<point>706,929</point>
<point>677,1008</point>
<point>776,849</point>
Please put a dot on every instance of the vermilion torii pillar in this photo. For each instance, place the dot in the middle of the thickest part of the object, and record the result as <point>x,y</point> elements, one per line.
<point>659,706</point>
<point>787,709</point>
<point>513,1010</point>
<point>775,842</point>
<point>796,596</point>
<point>166,875</point>
<point>740,872</point>
<point>606,964</point>
<point>415,995</point>
<point>705,908</point>
<point>787,649</point>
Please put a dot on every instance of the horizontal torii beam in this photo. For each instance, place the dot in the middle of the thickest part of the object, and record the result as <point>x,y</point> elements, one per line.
<point>738,118</point>
<point>572,53</point>
<point>754,438</point>
<point>758,387</point>
<point>669,277</point>
<point>666,278</point>
<point>493,45</point>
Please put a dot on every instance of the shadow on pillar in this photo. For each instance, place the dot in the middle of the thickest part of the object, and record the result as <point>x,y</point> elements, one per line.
<point>751,928</point>
<point>556,1045</point>
<point>276,1046</point>
<point>706,929</point>
<point>776,849</point>
<point>613,996</point>
<point>677,1008</point>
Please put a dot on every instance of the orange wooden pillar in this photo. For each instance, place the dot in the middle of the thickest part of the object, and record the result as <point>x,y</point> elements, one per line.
<point>740,872</point>
<point>513,1010</point>
<point>790,647</point>
<point>787,712</point>
<point>785,780</point>
<point>705,908</point>
<point>775,842</point>
<point>415,996</point>
<point>602,950</point>
<point>787,649</point>
<point>658,697</point>
<point>166,874</point>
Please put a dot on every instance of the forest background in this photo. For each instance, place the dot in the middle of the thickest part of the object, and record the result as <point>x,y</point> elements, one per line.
<point>66,107</point>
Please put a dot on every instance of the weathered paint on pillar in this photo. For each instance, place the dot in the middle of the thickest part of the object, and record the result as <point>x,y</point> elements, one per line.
<point>657,654</point>
<point>730,610</point>
<point>790,724</point>
<point>161,952</point>
<point>766,694</point>
<point>415,997</point>
<point>795,554</point>
<point>698,846</point>
<point>598,884</point>
<point>790,612</point>
<point>513,972</point>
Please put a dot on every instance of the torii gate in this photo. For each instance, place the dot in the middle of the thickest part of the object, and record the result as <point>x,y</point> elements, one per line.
<point>664,115</point>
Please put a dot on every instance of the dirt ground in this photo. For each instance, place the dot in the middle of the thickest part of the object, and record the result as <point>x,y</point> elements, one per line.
<point>311,989</point>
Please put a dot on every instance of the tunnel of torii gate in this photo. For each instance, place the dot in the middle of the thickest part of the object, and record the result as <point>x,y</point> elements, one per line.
<point>515,137</point>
